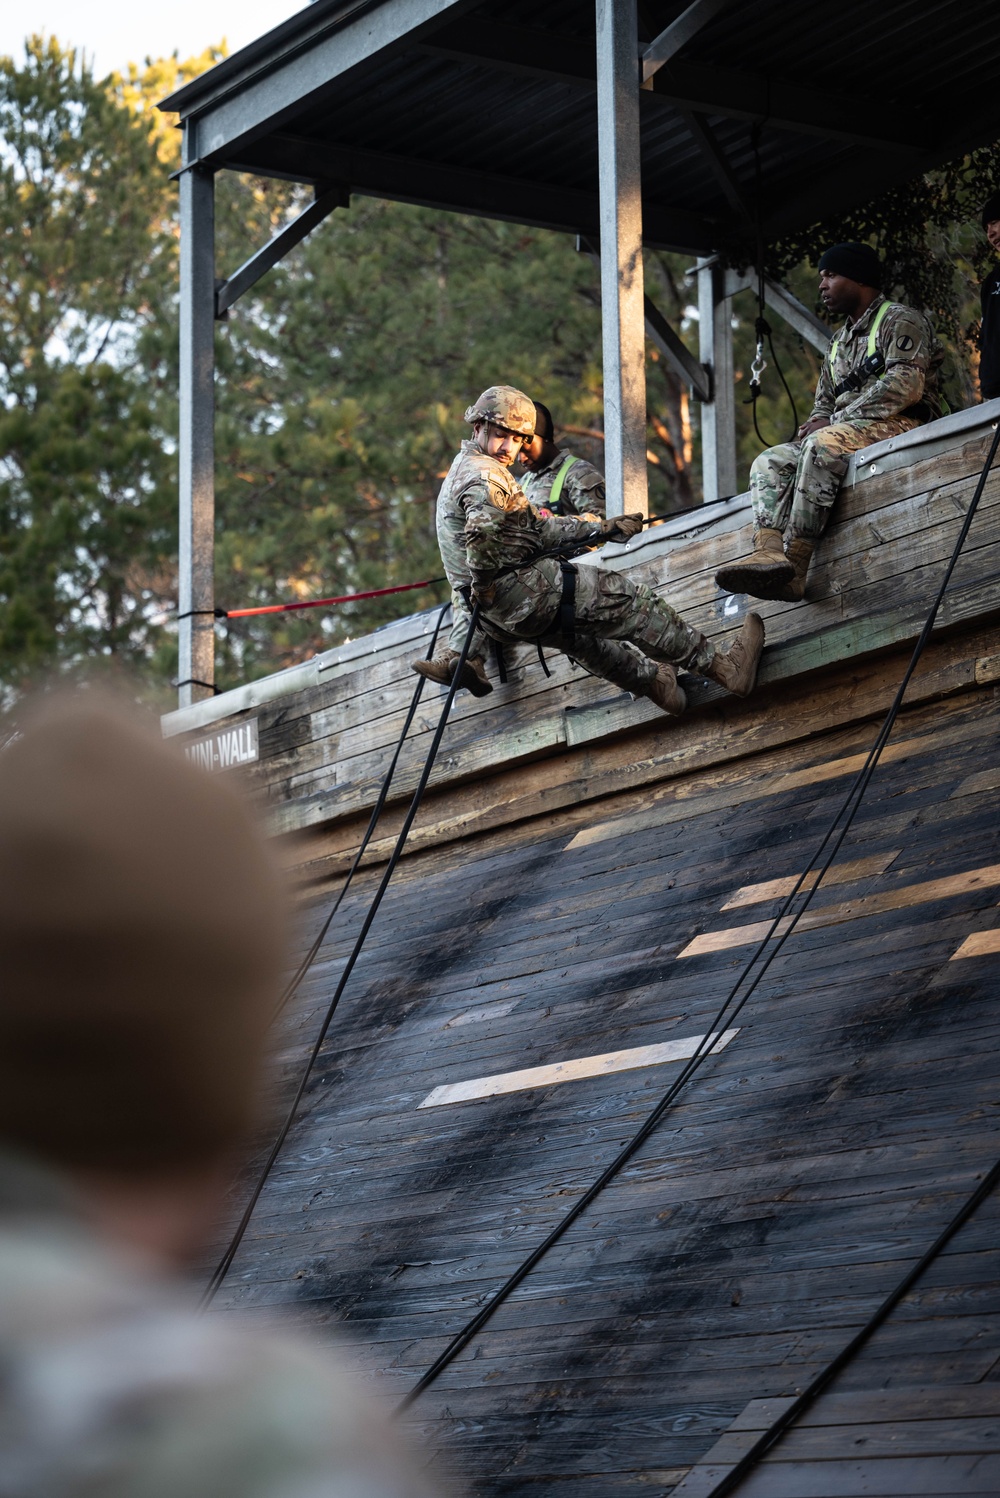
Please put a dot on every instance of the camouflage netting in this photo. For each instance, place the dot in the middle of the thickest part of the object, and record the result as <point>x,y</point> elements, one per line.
<point>928,236</point>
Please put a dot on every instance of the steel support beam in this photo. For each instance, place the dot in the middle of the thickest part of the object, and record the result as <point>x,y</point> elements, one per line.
<point>795,313</point>
<point>196,443</point>
<point>659,331</point>
<point>707,143</point>
<point>262,102</point>
<point>250,272</point>
<point>677,354</point>
<point>785,105</point>
<point>622,309</point>
<point>718,416</point>
<point>680,31</point>
<point>781,103</point>
<point>459,189</point>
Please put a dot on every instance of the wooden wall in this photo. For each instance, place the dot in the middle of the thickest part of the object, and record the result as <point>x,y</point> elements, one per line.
<point>808,1165</point>
<point>324,747</point>
<point>585,881</point>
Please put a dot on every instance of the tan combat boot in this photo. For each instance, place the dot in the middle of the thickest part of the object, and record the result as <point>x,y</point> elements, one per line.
<point>664,691</point>
<point>761,574</point>
<point>442,668</point>
<point>799,554</point>
<point>736,668</point>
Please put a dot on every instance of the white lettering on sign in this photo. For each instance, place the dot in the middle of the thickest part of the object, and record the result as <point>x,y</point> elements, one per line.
<point>226,747</point>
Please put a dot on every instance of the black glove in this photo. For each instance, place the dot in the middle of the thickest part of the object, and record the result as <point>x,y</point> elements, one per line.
<point>622,527</point>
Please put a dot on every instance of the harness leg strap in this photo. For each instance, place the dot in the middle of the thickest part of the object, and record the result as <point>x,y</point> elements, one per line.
<point>567,605</point>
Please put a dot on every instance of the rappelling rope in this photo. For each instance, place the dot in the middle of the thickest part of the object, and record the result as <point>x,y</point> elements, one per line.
<point>762,328</point>
<point>822,1381</point>
<point>310,957</point>
<point>222,1268</point>
<point>732,1005</point>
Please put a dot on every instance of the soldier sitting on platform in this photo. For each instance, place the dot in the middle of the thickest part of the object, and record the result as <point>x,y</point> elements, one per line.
<point>559,482</point>
<point>879,379</point>
<point>498,551</point>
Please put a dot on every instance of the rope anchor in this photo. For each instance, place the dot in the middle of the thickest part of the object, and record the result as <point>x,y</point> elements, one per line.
<point>759,364</point>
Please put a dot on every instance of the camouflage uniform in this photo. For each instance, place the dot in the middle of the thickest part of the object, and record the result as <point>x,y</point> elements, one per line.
<point>113,1386</point>
<point>486,526</point>
<point>582,490</point>
<point>793,486</point>
<point>450,523</point>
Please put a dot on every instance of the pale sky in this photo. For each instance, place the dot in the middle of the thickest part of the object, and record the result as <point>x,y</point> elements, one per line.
<point>116,32</point>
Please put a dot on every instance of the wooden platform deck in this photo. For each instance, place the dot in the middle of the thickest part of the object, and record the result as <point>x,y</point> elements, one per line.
<point>582,888</point>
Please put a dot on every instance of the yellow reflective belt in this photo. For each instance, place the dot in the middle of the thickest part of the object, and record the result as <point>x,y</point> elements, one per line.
<point>872,334</point>
<point>557,487</point>
<point>875,326</point>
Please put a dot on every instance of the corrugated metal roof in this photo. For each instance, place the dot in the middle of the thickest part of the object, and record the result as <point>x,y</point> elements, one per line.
<point>846,100</point>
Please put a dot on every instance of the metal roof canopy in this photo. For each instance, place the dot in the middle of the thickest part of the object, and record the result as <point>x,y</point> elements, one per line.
<point>627,123</point>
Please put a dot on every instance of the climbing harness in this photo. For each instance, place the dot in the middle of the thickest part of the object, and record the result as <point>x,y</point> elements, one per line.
<point>872,365</point>
<point>555,493</point>
<point>734,1002</point>
<point>567,604</point>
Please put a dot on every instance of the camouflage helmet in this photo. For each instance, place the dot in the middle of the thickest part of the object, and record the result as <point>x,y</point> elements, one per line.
<point>505,407</point>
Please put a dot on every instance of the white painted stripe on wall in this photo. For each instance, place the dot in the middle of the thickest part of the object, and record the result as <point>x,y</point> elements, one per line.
<point>572,1071</point>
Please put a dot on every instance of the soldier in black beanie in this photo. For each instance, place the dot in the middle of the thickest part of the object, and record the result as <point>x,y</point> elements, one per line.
<point>989,337</point>
<point>879,378</point>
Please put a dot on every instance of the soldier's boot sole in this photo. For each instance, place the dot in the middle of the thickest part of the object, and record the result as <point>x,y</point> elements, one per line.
<point>665,693</point>
<point>767,570</point>
<point>736,668</point>
<point>442,668</point>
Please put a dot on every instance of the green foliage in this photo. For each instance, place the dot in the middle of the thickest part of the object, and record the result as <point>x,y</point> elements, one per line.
<point>927,234</point>
<point>79,513</point>
<point>85,479</point>
<point>342,388</point>
<point>341,378</point>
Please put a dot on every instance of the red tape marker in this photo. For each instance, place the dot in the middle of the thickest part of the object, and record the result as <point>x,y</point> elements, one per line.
<point>319,603</point>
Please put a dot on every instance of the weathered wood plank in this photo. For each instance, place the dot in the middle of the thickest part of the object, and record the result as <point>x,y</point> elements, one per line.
<point>652,755</point>
<point>891,1477</point>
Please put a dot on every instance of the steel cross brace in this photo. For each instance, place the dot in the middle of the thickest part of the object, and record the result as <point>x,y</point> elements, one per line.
<point>250,272</point>
<point>658,330</point>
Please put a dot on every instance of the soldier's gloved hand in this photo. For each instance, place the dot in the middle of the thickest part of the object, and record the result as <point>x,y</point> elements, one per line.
<point>622,527</point>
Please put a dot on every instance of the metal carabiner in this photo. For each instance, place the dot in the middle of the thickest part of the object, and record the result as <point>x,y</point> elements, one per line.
<point>759,364</point>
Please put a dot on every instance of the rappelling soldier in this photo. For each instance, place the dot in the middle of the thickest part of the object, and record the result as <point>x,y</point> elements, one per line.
<point>879,378</point>
<point>500,553</point>
<point>558,481</point>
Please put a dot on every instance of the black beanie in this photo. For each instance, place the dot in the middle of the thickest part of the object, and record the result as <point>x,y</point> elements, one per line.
<point>991,209</point>
<point>858,262</point>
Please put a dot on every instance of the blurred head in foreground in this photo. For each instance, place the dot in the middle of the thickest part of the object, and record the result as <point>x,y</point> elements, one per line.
<point>140,947</point>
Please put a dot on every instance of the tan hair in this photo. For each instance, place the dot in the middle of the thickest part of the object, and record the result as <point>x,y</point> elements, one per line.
<point>140,947</point>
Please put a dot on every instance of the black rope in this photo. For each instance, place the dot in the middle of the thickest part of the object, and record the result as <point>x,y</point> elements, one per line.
<point>788,392</point>
<point>813,1390</point>
<point>296,980</point>
<point>201,613</point>
<point>222,1268</point>
<point>732,1005</point>
<point>762,328</point>
<point>194,681</point>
